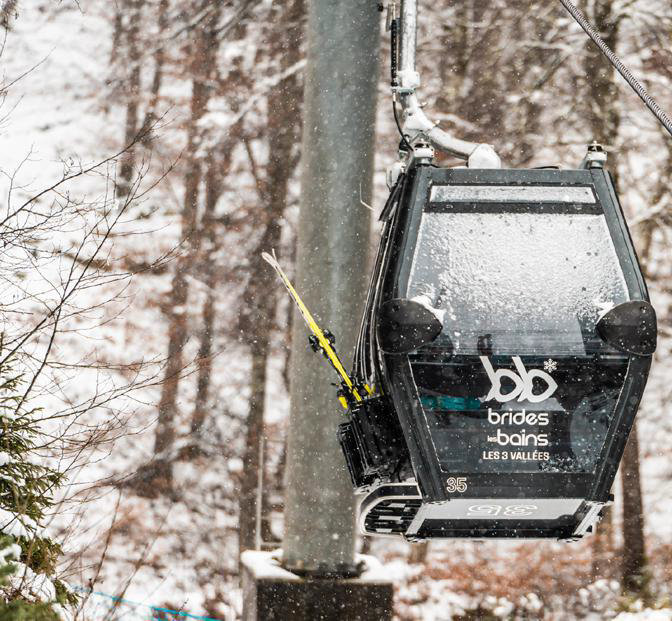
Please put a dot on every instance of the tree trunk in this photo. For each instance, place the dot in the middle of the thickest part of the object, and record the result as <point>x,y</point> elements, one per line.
<point>275,485</point>
<point>247,535</point>
<point>604,118</point>
<point>602,547</point>
<point>602,97</point>
<point>202,69</point>
<point>633,566</point>
<point>418,552</point>
<point>217,167</point>
<point>216,170</point>
<point>260,304</point>
<point>267,537</point>
<point>159,60</point>
<point>485,105</point>
<point>535,68</point>
<point>131,92</point>
<point>117,31</point>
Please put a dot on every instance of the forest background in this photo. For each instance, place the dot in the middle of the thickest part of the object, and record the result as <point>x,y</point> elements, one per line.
<point>159,141</point>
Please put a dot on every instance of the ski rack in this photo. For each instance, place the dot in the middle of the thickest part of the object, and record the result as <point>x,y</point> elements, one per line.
<point>371,438</point>
<point>320,340</point>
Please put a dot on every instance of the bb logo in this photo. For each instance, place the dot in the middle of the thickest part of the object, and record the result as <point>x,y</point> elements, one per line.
<point>523,382</point>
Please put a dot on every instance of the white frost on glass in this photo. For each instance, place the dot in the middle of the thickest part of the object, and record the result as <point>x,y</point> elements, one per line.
<point>507,193</point>
<point>529,280</point>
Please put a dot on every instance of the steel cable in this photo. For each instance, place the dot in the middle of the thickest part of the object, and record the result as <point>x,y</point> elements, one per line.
<point>634,83</point>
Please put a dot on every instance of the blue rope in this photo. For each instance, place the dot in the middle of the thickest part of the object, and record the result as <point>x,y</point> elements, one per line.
<point>156,609</point>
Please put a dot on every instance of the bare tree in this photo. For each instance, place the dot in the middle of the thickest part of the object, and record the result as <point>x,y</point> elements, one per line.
<point>284,101</point>
<point>601,108</point>
<point>634,562</point>
<point>131,23</point>
<point>202,69</point>
<point>151,113</point>
<point>495,61</point>
<point>8,11</point>
<point>56,277</point>
<point>217,168</point>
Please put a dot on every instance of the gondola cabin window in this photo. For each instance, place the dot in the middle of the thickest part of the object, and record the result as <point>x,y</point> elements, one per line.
<point>518,380</point>
<point>534,276</point>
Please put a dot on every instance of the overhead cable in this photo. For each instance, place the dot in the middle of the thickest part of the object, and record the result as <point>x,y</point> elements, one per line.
<point>634,83</point>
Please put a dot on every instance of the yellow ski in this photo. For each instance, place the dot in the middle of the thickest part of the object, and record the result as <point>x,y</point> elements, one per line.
<point>322,340</point>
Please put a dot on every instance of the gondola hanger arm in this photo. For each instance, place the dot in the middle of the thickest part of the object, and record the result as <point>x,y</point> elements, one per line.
<point>416,125</point>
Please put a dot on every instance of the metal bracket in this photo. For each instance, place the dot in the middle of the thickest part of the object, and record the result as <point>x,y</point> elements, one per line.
<point>422,154</point>
<point>416,124</point>
<point>596,157</point>
<point>408,81</point>
<point>590,519</point>
<point>391,15</point>
<point>393,172</point>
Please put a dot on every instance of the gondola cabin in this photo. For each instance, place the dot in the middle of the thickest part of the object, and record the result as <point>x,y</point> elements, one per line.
<point>507,339</point>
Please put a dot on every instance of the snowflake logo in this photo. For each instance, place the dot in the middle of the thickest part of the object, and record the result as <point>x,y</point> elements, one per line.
<point>550,365</point>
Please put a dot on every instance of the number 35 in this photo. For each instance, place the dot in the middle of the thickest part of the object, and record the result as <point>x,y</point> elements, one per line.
<point>456,484</point>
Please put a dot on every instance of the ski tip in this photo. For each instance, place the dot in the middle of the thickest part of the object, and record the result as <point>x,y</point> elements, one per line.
<point>269,258</point>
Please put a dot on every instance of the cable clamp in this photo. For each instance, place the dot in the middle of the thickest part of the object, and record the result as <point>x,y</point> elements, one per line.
<point>423,154</point>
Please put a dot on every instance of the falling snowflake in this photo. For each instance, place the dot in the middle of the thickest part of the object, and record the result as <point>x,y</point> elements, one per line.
<point>550,365</point>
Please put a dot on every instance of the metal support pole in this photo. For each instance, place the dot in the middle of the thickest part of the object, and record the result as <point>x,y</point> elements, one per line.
<point>333,246</point>
<point>409,34</point>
